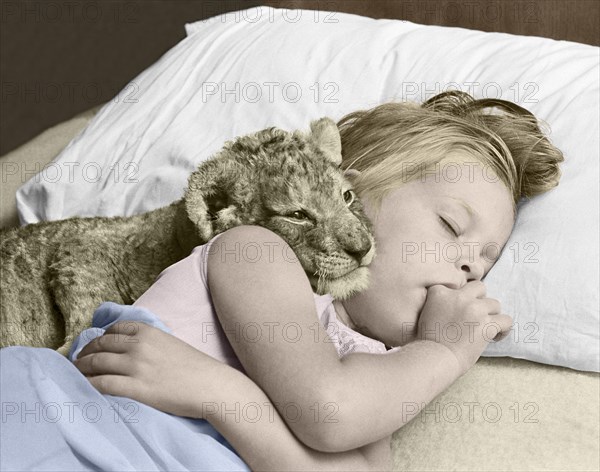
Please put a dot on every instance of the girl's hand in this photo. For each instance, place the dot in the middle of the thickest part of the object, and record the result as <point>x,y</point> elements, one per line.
<point>138,361</point>
<point>463,320</point>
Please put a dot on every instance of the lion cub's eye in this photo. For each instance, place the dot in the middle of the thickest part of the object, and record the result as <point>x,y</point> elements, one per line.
<point>299,215</point>
<point>349,196</point>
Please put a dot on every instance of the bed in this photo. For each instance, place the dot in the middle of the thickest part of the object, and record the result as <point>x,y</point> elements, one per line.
<point>506,413</point>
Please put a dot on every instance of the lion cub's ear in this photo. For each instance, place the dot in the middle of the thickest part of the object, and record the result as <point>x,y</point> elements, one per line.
<point>326,136</point>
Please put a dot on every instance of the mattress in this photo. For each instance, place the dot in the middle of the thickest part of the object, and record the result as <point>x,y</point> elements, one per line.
<point>504,414</point>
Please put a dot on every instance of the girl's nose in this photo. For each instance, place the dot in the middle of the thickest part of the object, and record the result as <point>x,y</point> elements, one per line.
<point>472,270</point>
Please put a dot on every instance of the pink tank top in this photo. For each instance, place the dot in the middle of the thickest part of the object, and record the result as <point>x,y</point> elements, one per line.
<point>181,299</point>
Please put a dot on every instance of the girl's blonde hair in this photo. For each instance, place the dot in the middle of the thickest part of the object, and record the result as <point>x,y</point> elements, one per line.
<point>396,142</point>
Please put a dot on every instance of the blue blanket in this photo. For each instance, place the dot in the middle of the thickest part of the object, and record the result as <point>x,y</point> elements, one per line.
<point>54,419</point>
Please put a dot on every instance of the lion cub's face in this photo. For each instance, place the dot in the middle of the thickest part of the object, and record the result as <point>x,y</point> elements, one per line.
<point>291,184</point>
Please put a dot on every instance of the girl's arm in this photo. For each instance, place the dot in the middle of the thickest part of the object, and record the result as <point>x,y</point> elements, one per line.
<point>245,416</point>
<point>141,362</point>
<point>265,304</point>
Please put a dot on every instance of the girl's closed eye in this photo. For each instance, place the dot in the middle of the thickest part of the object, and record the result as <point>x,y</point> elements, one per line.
<point>449,227</point>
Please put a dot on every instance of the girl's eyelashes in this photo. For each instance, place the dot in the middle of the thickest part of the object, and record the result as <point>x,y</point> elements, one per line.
<point>448,226</point>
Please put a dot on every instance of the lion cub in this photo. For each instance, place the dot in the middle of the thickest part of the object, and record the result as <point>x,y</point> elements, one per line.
<point>55,273</point>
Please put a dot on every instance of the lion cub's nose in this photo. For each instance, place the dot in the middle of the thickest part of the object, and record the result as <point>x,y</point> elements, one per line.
<point>360,253</point>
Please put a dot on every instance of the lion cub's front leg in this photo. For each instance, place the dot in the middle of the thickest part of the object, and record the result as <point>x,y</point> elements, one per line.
<point>81,278</point>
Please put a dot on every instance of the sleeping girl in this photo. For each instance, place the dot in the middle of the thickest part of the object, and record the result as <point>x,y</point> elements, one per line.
<point>291,380</point>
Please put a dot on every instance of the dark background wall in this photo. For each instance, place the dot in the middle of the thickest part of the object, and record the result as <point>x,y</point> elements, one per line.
<point>61,57</point>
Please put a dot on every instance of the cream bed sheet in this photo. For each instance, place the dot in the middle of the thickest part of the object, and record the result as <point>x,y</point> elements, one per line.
<point>503,415</point>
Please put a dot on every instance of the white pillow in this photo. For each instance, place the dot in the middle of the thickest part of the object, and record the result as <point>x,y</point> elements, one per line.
<point>244,71</point>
